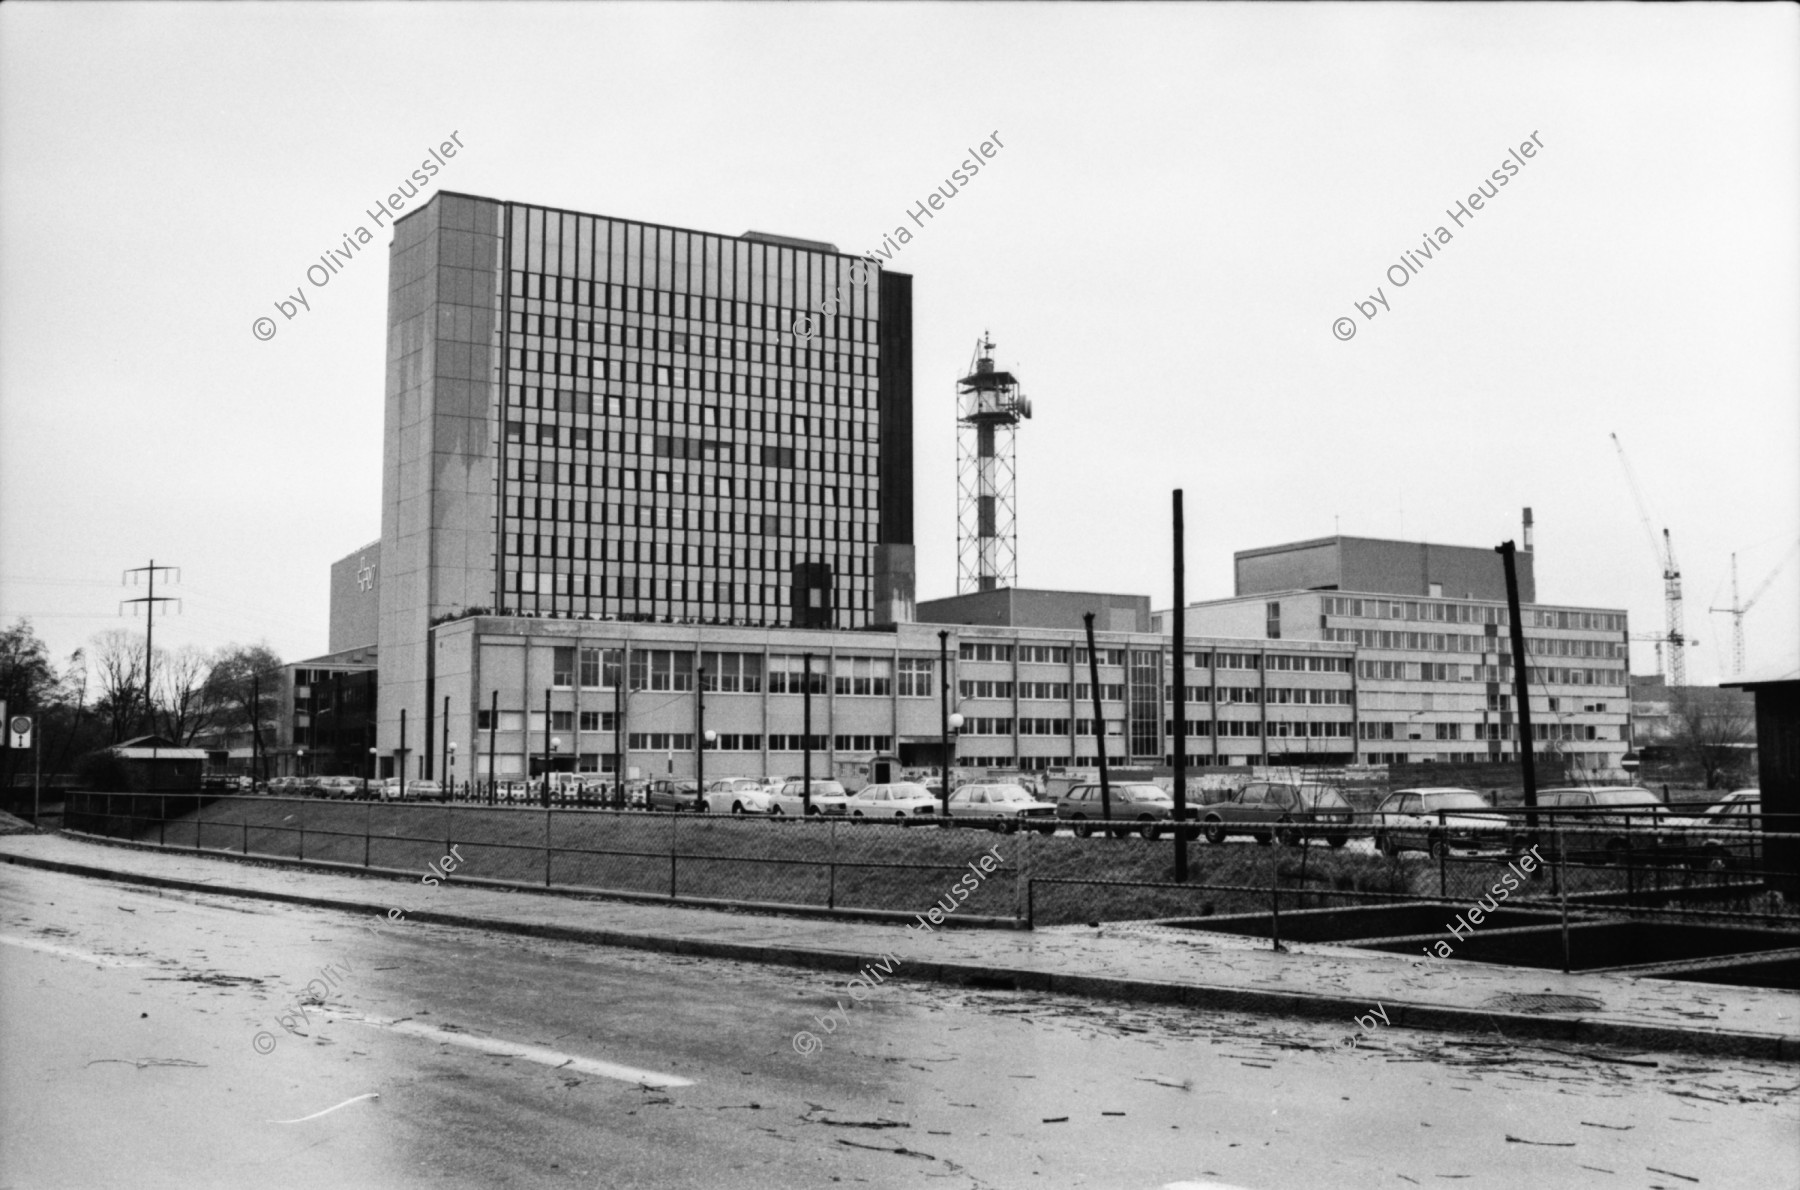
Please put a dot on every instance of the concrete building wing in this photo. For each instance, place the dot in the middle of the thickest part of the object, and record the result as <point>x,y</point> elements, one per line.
<point>356,599</point>
<point>1019,607</point>
<point>1378,566</point>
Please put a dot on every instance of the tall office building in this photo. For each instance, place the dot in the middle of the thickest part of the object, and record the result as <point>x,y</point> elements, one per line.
<point>589,416</point>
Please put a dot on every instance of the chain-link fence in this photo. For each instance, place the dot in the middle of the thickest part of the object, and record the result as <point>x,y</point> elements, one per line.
<point>822,862</point>
<point>1586,891</point>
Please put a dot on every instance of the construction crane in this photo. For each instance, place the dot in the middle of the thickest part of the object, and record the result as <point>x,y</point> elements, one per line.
<point>1657,639</point>
<point>1737,609</point>
<point>1673,636</point>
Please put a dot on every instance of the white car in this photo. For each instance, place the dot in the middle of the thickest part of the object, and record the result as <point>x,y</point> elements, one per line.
<point>899,800</point>
<point>1002,807</point>
<point>738,795</point>
<point>422,791</point>
<point>1437,820</point>
<point>828,797</point>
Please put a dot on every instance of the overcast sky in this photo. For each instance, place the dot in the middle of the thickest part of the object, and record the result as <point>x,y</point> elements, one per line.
<point>1186,201</point>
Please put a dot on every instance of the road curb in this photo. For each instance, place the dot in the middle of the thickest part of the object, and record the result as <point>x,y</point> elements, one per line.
<point>1310,1006</point>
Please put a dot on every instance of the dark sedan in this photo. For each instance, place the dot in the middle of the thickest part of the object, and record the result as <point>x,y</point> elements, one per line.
<point>1136,806</point>
<point>1267,810</point>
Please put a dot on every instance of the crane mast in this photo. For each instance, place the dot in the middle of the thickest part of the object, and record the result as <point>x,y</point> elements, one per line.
<point>1664,552</point>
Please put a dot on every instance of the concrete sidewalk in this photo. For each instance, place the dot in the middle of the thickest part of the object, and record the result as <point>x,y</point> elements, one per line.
<point>1118,961</point>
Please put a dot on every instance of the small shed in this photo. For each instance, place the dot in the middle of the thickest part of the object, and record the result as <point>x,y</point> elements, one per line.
<point>154,764</point>
<point>1778,766</point>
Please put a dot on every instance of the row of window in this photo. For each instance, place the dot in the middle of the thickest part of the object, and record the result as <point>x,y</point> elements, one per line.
<point>1455,642</point>
<point>1431,671</point>
<point>532,286</point>
<point>566,331</point>
<point>1470,613</point>
<point>1572,732</point>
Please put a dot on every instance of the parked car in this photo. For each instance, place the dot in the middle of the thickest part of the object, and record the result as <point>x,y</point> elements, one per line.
<point>1001,807</point>
<point>1268,810</point>
<point>1729,835</point>
<point>738,795</point>
<point>1435,819</point>
<point>1136,806</point>
<point>899,799</point>
<point>420,790</point>
<point>671,795</point>
<point>828,797</point>
<point>1615,824</point>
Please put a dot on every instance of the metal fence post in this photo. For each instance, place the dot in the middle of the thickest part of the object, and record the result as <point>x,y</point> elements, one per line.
<point>162,819</point>
<point>368,829</point>
<point>546,847</point>
<point>1443,856</point>
<point>1562,883</point>
<point>246,821</point>
<point>1022,876</point>
<point>673,819</point>
<point>831,869</point>
<point>302,816</point>
<point>1274,900</point>
<point>199,823</point>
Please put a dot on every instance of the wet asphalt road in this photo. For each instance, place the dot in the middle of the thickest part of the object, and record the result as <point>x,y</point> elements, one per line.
<point>131,1022</point>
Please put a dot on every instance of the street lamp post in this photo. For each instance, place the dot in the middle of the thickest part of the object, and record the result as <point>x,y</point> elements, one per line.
<point>955,723</point>
<point>299,762</point>
<point>371,773</point>
<point>944,715</point>
<point>450,769</point>
<point>550,766</point>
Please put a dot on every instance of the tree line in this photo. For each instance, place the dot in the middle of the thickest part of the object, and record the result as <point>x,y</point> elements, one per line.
<point>99,697</point>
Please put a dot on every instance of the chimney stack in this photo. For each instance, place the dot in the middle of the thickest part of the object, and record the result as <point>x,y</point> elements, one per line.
<point>1528,530</point>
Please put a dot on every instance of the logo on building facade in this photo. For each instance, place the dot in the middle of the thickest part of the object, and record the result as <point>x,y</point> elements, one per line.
<point>365,575</point>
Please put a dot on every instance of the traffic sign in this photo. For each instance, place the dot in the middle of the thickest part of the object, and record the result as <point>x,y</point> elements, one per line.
<point>18,731</point>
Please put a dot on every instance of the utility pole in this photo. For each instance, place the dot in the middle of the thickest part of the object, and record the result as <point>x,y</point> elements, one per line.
<point>806,739</point>
<point>1521,686</point>
<point>944,717</point>
<point>1099,723</point>
<point>1179,701</point>
<point>150,601</point>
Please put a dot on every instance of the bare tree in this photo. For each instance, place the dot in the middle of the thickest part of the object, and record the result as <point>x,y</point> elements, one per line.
<point>1710,733</point>
<point>244,688</point>
<point>116,658</point>
<point>187,702</point>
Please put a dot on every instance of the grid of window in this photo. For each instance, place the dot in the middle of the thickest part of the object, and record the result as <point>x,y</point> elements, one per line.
<point>1043,727</point>
<point>797,743</point>
<point>599,721</point>
<point>1146,713</point>
<point>1044,654</point>
<point>787,670</point>
<point>662,669</point>
<point>600,668</point>
<point>984,689</point>
<point>986,725</point>
<point>1237,661</point>
<point>1050,690</point>
<point>1299,695</point>
<point>1109,692</point>
<point>735,742</point>
<point>1107,656</point>
<point>865,743</point>
<point>1307,729</point>
<point>660,741</point>
<point>667,449</point>
<point>917,677</point>
<point>973,651</point>
<point>732,673</point>
<point>863,676</point>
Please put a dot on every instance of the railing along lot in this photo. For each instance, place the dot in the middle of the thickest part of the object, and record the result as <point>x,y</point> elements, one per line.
<point>838,863</point>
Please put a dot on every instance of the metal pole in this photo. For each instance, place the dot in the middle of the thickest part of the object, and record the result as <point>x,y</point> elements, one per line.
<point>546,784</point>
<point>1099,723</point>
<point>149,638</point>
<point>1443,853</point>
<point>1521,687</point>
<point>1178,704</point>
<point>1275,897</point>
<point>944,713</point>
<point>673,820</point>
<point>368,829</point>
<point>806,740</point>
<point>444,768</point>
<point>37,776</point>
<point>700,730</point>
<point>493,729</point>
<point>546,846</point>
<point>402,751</point>
<point>256,728</point>
<point>619,732</point>
<point>1563,891</point>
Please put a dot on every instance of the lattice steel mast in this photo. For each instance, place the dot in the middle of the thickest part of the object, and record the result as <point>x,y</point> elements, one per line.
<point>989,408</point>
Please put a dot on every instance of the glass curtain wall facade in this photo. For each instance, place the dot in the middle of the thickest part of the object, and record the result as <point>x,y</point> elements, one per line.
<point>668,448</point>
